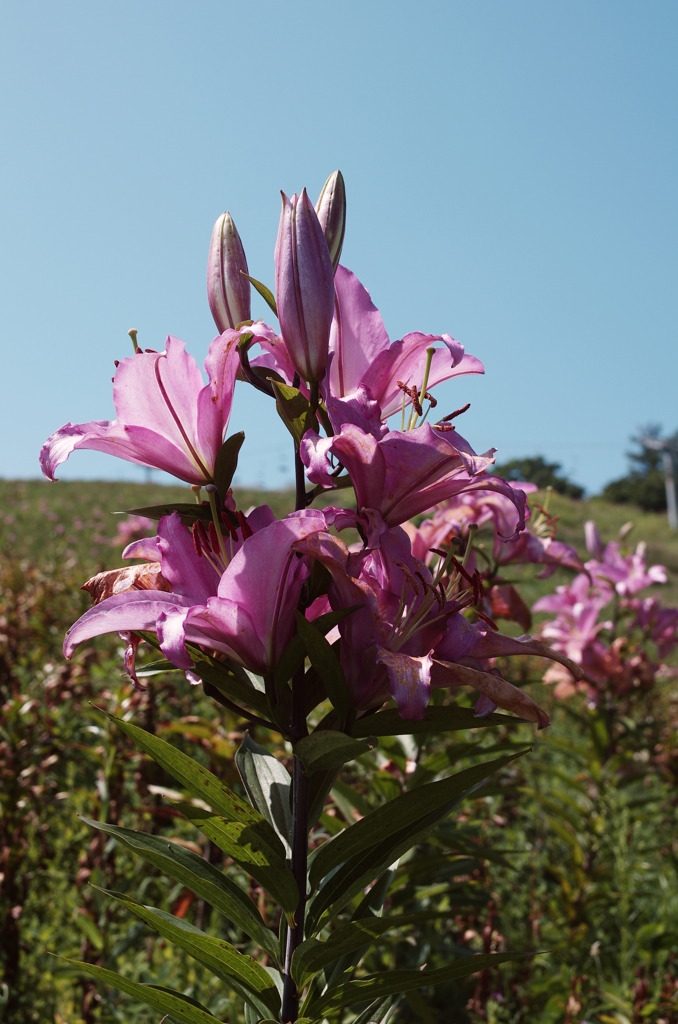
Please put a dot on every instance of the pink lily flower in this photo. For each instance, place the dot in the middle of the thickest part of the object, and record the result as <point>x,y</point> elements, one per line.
<point>362,353</point>
<point>402,474</point>
<point>244,609</point>
<point>404,636</point>
<point>453,517</point>
<point>167,418</point>
<point>628,574</point>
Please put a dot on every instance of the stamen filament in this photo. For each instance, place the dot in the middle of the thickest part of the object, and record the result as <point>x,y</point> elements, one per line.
<point>427,370</point>
<point>211,494</point>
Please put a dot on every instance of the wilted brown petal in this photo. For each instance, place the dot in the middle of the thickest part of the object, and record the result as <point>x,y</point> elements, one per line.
<point>146,576</point>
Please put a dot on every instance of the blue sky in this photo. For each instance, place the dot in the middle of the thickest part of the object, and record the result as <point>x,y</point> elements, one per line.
<point>511,179</point>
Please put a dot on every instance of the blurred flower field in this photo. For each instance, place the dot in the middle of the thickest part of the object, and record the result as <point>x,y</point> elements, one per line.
<point>585,829</point>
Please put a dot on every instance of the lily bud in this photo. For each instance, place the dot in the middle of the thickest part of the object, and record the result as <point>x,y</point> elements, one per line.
<point>228,290</point>
<point>331,210</point>
<point>304,286</point>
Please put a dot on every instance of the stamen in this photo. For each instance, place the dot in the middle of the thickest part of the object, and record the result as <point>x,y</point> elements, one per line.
<point>487,619</point>
<point>211,494</point>
<point>443,427</point>
<point>457,412</point>
<point>245,528</point>
<point>196,539</point>
<point>427,370</point>
<point>214,540</point>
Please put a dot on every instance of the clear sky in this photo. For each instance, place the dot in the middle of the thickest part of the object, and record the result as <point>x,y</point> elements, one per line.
<point>511,179</point>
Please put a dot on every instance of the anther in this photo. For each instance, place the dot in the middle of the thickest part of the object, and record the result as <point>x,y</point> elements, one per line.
<point>245,527</point>
<point>457,412</point>
<point>226,520</point>
<point>196,539</point>
<point>214,540</point>
<point>117,363</point>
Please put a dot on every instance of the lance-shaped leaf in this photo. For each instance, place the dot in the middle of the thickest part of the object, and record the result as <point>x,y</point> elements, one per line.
<point>245,845</point>
<point>379,1012</point>
<point>391,982</point>
<point>436,719</point>
<point>326,663</point>
<point>294,410</point>
<point>229,678</point>
<point>181,1007</point>
<point>202,784</point>
<point>266,293</point>
<point>227,462</point>
<point>189,511</point>
<point>312,955</point>
<point>295,652</point>
<point>326,748</point>
<point>397,814</point>
<point>223,959</point>
<point>198,875</point>
<point>267,783</point>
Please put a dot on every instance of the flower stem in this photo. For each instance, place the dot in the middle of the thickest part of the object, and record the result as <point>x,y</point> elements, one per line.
<point>298,729</point>
<point>295,935</point>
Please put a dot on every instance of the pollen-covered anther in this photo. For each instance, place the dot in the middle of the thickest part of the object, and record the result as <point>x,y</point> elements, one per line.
<point>431,399</point>
<point>453,415</point>
<point>444,427</point>
<point>213,538</point>
<point>486,618</point>
<point>410,577</point>
<point>226,520</point>
<point>200,539</point>
<point>245,528</point>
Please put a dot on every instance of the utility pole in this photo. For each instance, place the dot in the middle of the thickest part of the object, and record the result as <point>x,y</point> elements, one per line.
<point>667,450</point>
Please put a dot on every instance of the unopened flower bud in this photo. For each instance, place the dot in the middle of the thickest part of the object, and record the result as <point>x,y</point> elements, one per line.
<point>331,210</point>
<point>228,290</point>
<point>304,285</point>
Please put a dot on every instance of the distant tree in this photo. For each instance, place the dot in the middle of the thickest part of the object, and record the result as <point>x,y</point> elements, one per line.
<point>644,483</point>
<point>537,470</point>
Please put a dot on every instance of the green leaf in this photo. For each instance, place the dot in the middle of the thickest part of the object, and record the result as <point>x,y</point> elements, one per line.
<point>391,982</point>
<point>267,783</point>
<point>294,410</point>
<point>266,293</point>
<point>326,663</point>
<point>226,462</point>
<point>325,749</point>
<point>201,783</point>
<point>312,955</point>
<point>218,955</point>
<point>436,719</point>
<point>200,877</point>
<point>189,511</point>
<point>295,652</point>
<point>229,679</point>
<point>90,930</point>
<point>160,999</point>
<point>397,814</point>
<point>245,845</point>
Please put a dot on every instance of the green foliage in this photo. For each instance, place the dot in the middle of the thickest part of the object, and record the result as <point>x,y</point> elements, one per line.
<point>570,848</point>
<point>536,470</point>
<point>644,484</point>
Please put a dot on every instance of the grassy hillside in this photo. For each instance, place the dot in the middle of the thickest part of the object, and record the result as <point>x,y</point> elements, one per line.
<point>75,521</point>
